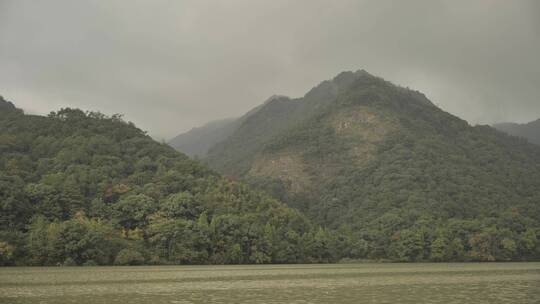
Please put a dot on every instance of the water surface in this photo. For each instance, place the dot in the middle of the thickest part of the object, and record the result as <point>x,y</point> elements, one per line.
<point>335,283</point>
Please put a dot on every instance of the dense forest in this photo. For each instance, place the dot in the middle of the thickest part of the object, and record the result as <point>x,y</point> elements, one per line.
<point>398,176</point>
<point>81,188</point>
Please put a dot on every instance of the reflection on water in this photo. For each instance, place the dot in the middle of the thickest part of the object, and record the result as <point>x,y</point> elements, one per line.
<point>342,283</point>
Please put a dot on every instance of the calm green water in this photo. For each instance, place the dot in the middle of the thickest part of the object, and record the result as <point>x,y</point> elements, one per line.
<point>342,283</point>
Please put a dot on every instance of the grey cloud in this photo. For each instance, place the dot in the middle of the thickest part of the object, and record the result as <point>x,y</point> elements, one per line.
<point>172,65</point>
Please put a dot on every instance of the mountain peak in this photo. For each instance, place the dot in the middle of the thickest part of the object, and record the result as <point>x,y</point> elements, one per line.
<point>347,77</point>
<point>328,89</point>
<point>276,97</point>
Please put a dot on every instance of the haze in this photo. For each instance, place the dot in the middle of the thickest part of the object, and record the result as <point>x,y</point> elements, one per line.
<point>171,65</point>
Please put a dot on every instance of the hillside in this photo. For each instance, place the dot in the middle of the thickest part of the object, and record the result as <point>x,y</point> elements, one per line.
<point>529,131</point>
<point>383,164</point>
<point>84,188</point>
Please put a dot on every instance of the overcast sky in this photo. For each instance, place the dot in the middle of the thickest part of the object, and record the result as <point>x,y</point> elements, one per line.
<point>171,65</point>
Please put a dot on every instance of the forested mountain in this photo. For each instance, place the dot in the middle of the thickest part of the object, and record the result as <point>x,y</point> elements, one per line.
<point>382,164</point>
<point>197,141</point>
<point>83,188</point>
<point>372,170</point>
<point>529,131</point>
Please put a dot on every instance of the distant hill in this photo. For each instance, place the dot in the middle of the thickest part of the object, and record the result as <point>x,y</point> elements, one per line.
<point>197,141</point>
<point>6,105</point>
<point>360,154</point>
<point>529,131</point>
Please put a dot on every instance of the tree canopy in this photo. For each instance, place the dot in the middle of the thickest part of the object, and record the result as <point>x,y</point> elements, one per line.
<point>82,188</point>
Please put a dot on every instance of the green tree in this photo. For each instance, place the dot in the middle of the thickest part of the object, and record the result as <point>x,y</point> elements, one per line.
<point>129,257</point>
<point>133,210</point>
<point>408,245</point>
<point>483,245</point>
<point>182,205</point>
<point>529,243</point>
<point>7,252</point>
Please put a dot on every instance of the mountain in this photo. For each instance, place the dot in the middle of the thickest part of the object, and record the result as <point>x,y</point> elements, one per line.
<point>197,141</point>
<point>277,114</point>
<point>366,169</point>
<point>84,188</point>
<point>382,163</point>
<point>529,131</point>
